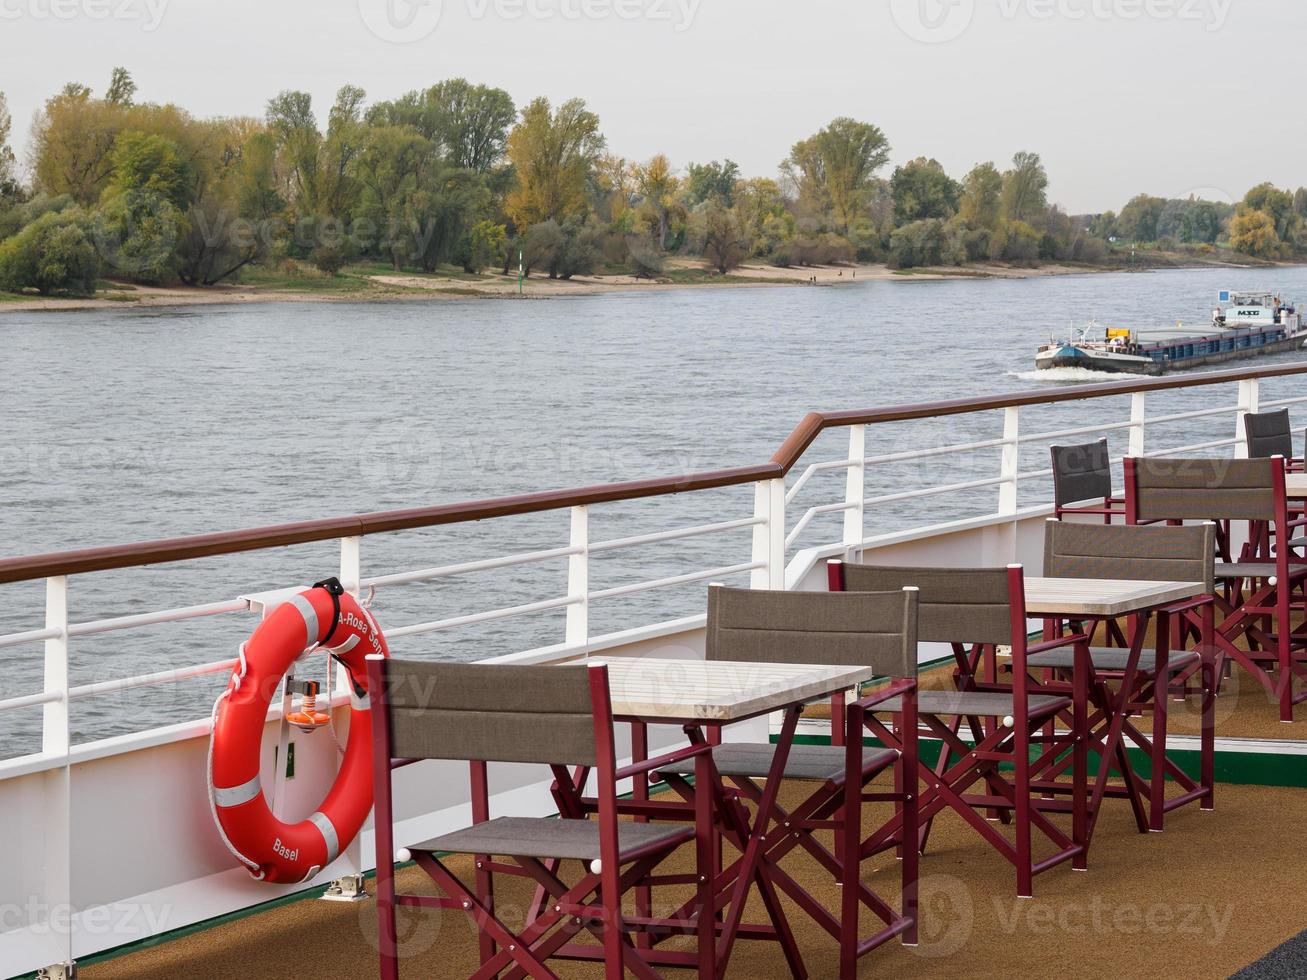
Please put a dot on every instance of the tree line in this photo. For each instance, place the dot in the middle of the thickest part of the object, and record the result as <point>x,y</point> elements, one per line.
<point>459,175</point>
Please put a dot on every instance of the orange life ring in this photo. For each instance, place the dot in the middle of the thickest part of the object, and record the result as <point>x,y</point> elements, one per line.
<point>323,617</point>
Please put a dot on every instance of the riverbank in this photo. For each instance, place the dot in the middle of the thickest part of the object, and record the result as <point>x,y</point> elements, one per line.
<point>373,283</point>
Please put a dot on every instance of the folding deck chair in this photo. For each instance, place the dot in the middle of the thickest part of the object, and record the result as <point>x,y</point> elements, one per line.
<point>493,713</point>
<point>1083,474</point>
<point>877,631</point>
<point>1270,434</point>
<point>1125,681</point>
<point>1255,595</point>
<point>975,611</point>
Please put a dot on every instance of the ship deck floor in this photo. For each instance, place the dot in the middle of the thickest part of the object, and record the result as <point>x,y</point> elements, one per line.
<point>1211,895</point>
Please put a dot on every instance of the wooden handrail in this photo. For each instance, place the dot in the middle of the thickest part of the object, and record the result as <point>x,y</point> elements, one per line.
<point>789,453</point>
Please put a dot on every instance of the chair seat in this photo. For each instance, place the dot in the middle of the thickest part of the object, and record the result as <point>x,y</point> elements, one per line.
<point>817,763</point>
<point>1298,542</point>
<point>1110,659</point>
<point>549,837</point>
<point>975,703</point>
<point>1253,569</point>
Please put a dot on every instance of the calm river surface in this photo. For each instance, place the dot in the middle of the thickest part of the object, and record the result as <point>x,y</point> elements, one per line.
<point>124,425</point>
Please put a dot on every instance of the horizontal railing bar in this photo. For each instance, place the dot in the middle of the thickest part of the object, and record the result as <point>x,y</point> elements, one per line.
<point>177,615</point>
<point>783,460</point>
<point>30,636</point>
<point>1196,446</point>
<point>1280,402</point>
<point>992,481</point>
<point>1201,413</point>
<point>151,680</point>
<point>31,700</point>
<point>689,532</point>
<point>961,447</point>
<point>484,617</point>
<point>662,583</point>
<point>1078,431</point>
<point>445,571</point>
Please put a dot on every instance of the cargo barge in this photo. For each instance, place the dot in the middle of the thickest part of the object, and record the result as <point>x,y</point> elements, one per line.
<point>1243,325</point>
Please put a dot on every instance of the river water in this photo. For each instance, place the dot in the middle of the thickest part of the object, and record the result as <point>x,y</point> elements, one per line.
<point>126,425</point>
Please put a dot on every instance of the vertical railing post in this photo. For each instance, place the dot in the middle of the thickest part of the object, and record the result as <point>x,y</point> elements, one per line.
<point>769,535</point>
<point>578,580</point>
<point>1248,400</point>
<point>57,818</point>
<point>855,492</point>
<point>1007,490</point>
<point>349,885</point>
<point>1137,420</point>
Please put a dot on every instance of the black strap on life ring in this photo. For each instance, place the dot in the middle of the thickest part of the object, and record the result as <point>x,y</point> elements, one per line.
<point>335,590</point>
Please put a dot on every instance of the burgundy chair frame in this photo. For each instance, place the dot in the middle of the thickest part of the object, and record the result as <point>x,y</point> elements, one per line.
<point>1260,614</point>
<point>995,745</point>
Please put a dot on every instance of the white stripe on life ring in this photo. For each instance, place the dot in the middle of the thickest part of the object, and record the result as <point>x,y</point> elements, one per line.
<point>310,618</point>
<point>320,820</point>
<point>363,703</point>
<point>236,795</point>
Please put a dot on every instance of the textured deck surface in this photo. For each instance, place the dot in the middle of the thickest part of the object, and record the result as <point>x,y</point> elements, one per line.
<point>1212,895</point>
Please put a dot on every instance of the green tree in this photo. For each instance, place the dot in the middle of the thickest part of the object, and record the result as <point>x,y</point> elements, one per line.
<point>711,181</point>
<point>291,122</point>
<point>981,200</point>
<point>1253,233</point>
<point>834,170</point>
<point>9,191</point>
<point>1025,188</point>
<point>486,245</point>
<point>1270,200</point>
<point>53,254</point>
<point>121,89</point>
<point>721,237</point>
<point>763,215</point>
<point>393,167</point>
<point>1201,222</point>
<point>145,163</point>
<point>917,243</point>
<point>921,189</point>
<point>469,123</point>
<point>553,154</point>
<point>658,189</point>
<point>442,207</point>
<point>72,141</point>
<point>1138,220</point>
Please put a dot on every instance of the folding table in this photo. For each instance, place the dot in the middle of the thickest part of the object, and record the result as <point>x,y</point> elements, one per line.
<point>1058,599</point>
<point>702,697</point>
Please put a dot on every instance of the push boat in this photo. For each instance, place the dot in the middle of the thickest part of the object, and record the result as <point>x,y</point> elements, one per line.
<point>113,865</point>
<point>1245,324</point>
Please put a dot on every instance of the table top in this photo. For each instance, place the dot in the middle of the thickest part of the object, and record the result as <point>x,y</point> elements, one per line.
<point>1295,484</point>
<point>1103,597</point>
<point>718,690</point>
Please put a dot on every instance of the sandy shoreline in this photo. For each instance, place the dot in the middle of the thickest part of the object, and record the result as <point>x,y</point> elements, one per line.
<point>402,286</point>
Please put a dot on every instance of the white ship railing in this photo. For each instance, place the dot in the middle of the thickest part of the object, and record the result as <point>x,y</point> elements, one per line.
<point>777,524</point>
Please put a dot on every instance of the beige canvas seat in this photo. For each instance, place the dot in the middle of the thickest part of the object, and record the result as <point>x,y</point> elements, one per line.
<point>872,630</point>
<point>1129,681</point>
<point>554,716</point>
<point>975,611</point>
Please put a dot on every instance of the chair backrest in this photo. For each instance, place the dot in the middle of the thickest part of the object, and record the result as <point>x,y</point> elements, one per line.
<point>1155,553</point>
<point>1269,434</point>
<point>491,712</point>
<point>1160,489</point>
<point>869,630</point>
<point>958,605</point>
<point>1081,473</point>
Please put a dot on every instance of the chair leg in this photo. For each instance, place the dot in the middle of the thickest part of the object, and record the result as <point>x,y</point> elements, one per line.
<point>848,843</point>
<point>1021,786</point>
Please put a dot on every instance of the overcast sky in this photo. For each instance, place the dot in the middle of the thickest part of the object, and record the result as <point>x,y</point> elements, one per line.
<point>1118,96</point>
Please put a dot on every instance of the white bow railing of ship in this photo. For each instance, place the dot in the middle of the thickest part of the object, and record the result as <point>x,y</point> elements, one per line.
<point>778,524</point>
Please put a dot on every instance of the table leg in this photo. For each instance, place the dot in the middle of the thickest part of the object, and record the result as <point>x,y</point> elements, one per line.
<point>704,837</point>
<point>753,851</point>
